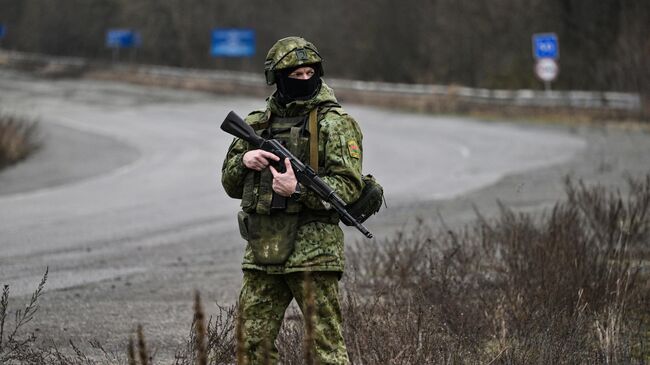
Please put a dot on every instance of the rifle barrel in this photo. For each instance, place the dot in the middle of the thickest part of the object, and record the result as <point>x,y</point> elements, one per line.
<point>236,126</point>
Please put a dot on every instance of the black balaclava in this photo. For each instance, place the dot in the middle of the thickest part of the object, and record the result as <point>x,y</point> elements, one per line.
<point>290,89</point>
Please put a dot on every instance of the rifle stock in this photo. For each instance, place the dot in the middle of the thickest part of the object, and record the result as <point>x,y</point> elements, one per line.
<point>236,126</point>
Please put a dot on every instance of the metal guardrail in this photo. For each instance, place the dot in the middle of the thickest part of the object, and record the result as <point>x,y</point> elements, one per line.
<point>244,78</point>
<point>569,99</point>
<point>13,57</point>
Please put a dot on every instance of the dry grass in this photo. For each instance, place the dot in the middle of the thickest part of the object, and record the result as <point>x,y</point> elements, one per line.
<point>17,347</point>
<point>214,342</point>
<point>13,345</point>
<point>564,287</point>
<point>18,138</point>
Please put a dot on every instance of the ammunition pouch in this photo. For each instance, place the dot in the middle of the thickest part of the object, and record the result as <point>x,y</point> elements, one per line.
<point>271,237</point>
<point>242,220</point>
<point>369,201</point>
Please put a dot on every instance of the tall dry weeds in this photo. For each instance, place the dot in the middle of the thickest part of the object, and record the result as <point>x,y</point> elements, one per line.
<point>14,346</point>
<point>143,353</point>
<point>220,338</point>
<point>569,286</point>
<point>562,287</point>
<point>18,139</point>
<point>310,317</point>
<point>199,326</point>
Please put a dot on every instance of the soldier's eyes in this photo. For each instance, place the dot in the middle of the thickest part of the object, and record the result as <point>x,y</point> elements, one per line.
<point>300,74</point>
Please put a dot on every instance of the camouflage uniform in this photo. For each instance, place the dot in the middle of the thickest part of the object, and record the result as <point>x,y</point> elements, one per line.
<point>264,299</point>
<point>318,246</point>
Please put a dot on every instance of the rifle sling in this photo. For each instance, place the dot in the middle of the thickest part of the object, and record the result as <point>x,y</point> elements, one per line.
<point>313,139</point>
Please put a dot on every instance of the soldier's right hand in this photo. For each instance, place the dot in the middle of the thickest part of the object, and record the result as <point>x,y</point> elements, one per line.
<point>258,160</point>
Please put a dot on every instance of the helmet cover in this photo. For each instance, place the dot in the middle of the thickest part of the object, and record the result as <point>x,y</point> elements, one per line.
<point>291,53</point>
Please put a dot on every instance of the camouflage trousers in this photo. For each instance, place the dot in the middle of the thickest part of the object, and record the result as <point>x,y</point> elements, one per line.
<point>263,301</point>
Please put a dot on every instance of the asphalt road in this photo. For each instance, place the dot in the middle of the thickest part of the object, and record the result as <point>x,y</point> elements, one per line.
<point>124,205</point>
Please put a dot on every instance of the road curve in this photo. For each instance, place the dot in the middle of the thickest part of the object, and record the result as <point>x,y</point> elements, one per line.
<point>173,179</point>
<point>144,197</point>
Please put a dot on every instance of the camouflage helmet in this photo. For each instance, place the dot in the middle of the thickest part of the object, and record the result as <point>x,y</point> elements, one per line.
<point>290,52</point>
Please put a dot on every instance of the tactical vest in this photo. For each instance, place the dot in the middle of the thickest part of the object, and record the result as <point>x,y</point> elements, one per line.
<point>294,134</point>
<point>258,196</point>
<point>269,221</point>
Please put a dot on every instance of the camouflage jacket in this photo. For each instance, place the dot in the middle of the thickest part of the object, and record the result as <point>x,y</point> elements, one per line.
<point>318,246</point>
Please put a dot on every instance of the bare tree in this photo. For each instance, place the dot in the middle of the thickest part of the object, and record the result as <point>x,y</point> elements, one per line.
<point>483,43</point>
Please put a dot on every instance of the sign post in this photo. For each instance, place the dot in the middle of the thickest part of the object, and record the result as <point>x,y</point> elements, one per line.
<point>3,31</point>
<point>546,51</point>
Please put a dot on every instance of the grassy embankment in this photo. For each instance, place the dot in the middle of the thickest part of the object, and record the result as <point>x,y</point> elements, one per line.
<point>569,286</point>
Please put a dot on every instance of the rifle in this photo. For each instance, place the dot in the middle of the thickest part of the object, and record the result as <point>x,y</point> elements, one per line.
<point>234,125</point>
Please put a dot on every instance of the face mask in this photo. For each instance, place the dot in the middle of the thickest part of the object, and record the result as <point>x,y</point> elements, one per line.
<point>290,89</point>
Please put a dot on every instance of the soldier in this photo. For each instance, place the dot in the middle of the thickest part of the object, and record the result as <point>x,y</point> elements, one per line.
<point>290,231</point>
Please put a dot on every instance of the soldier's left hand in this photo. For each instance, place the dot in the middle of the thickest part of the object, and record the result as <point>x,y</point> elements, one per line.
<point>284,183</point>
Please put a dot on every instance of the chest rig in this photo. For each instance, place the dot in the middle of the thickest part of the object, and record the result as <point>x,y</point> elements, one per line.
<point>294,133</point>
<point>268,221</point>
<point>271,221</point>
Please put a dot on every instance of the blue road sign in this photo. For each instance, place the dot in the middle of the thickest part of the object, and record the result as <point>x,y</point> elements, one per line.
<point>546,45</point>
<point>137,40</point>
<point>123,38</point>
<point>232,42</point>
<point>3,30</point>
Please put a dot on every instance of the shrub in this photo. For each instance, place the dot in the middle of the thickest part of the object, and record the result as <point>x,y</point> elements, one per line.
<point>13,346</point>
<point>18,138</point>
<point>563,287</point>
<point>22,348</point>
